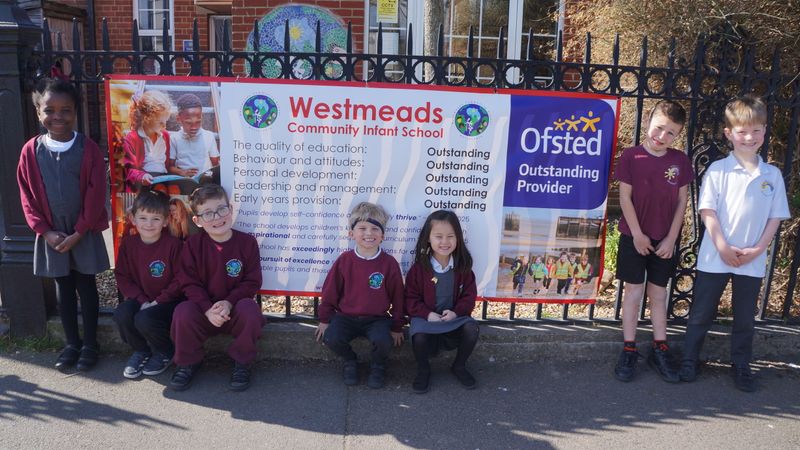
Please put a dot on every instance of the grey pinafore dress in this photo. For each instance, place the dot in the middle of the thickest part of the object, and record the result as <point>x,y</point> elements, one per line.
<point>61,174</point>
<point>444,300</point>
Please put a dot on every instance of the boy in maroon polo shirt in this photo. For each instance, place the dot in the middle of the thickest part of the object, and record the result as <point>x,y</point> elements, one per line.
<point>363,284</point>
<point>221,275</point>
<point>653,191</point>
<point>146,273</point>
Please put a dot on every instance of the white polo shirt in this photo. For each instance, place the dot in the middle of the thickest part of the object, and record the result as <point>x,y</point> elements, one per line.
<point>194,153</point>
<point>155,154</point>
<point>744,202</point>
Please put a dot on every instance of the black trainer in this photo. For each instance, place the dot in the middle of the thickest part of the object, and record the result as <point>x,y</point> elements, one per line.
<point>240,378</point>
<point>350,373</point>
<point>421,382</point>
<point>688,371</point>
<point>137,361</point>
<point>377,372</point>
<point>182,377</point>
<point>68,357</point>
<point>464,377</point>
<point>626,365</point>
<point>88,358</point>
<point>660,360</point>
<point>743,378</point>
<point>156,365</point>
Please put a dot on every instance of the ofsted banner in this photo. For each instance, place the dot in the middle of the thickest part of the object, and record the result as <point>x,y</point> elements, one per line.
<point>526,172</point>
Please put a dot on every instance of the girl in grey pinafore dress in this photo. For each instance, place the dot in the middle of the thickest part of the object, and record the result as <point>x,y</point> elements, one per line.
<point>440,297</point>
<point>62,186</point>
<point>74,271</point>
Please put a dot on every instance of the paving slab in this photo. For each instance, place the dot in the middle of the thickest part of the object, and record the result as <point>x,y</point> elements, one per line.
<point>303,404</point>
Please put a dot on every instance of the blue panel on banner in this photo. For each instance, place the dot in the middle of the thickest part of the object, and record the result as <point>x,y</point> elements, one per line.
<point>559,152</point>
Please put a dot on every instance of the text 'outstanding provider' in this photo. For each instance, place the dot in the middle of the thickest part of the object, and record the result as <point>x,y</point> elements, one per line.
<point>550,142</point>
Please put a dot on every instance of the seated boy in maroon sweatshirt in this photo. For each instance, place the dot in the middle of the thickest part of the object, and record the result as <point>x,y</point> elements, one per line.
<point>146,273</point>
<point>362,285</point>
<point>220,276</point>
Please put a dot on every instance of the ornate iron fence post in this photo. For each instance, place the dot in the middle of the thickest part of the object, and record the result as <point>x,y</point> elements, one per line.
<point>22,294</point>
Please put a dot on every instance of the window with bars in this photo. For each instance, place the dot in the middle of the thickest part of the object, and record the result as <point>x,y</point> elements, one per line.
<point>394,35</point>
<point>150,15</point>
<point>486,17</point>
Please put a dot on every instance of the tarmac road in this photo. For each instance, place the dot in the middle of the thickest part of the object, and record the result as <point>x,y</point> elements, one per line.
<point>305,405</point>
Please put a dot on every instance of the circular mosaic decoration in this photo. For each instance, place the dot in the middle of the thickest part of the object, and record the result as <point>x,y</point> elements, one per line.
<point>302,38</point>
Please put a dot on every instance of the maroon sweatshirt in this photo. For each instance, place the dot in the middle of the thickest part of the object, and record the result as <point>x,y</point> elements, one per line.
<point>147,272</point>
<point>363,287</point>
<point>421,292</point>
<point>214,271</point>
<point>93,216</point>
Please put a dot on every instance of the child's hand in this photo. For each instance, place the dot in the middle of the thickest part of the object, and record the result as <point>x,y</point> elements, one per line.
<point>448,315</point>
<point>748,254</point>
<point>665,248</point>
<point>320,331</point>
<point>223,309</point>
<point>214,317</point>
<point>433,317</point>
<point>68,242</point>
<point>53,238</point>
<point>397,337</point>
<point>730,255</point>
<point>642,244</point>
<point>147,305</point>
<point>147,179</point>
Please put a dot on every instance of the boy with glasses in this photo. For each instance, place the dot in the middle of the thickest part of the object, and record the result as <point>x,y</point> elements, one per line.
<point>221,276</point>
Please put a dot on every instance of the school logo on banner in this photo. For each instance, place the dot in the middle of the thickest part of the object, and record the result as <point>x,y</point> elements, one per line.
<point>259,111</point>
<point>471,119</point>
<point>157,268</point>
<point>376,280</point>
<point>233,268</point>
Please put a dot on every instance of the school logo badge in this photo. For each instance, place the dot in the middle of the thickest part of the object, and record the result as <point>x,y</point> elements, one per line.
<point>233,268</point>
<point>376,280</point>
<point>471,119</point>
<point>157,268</point>
<point>767,189</point>
<point>671,174</point>
<point>259,111</point>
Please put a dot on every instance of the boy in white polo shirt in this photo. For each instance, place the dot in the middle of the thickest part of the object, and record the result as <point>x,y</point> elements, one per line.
<point>194,149</point>
<point>742,201</point>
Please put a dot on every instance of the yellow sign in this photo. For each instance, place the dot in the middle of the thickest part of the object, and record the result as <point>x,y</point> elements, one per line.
<point>387,11</point>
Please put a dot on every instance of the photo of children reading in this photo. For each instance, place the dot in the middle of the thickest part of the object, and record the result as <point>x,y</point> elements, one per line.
<point>166,141</point>
<point>147,145</point>
<point>194,148</point>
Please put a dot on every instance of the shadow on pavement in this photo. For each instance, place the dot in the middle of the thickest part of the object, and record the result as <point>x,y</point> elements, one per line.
<point>19,398</point>
<point>523,405</point>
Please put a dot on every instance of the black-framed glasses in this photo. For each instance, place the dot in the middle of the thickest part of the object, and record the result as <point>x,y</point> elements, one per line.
<point>222,211</point>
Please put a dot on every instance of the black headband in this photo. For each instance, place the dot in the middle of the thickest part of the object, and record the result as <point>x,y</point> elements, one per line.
<point>372,221</point>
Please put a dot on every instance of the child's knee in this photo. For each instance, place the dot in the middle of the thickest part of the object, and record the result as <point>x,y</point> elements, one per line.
<point>187,311</point>
<point>126,312</point>
<point>249,311</point>
<point>471,328</point>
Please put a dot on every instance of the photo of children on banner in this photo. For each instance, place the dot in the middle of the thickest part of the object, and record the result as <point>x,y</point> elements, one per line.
<point>573,273</point>
<point>168,143</point>
<point>518,271</point>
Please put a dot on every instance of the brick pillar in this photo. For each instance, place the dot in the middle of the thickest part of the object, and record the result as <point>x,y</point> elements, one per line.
<point>22,294</point>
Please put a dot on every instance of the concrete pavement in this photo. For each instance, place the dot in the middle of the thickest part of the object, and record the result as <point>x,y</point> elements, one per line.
<point>301,404</point>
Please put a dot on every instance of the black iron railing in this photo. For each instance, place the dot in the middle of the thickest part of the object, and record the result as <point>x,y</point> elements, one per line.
<point>719,69</point>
